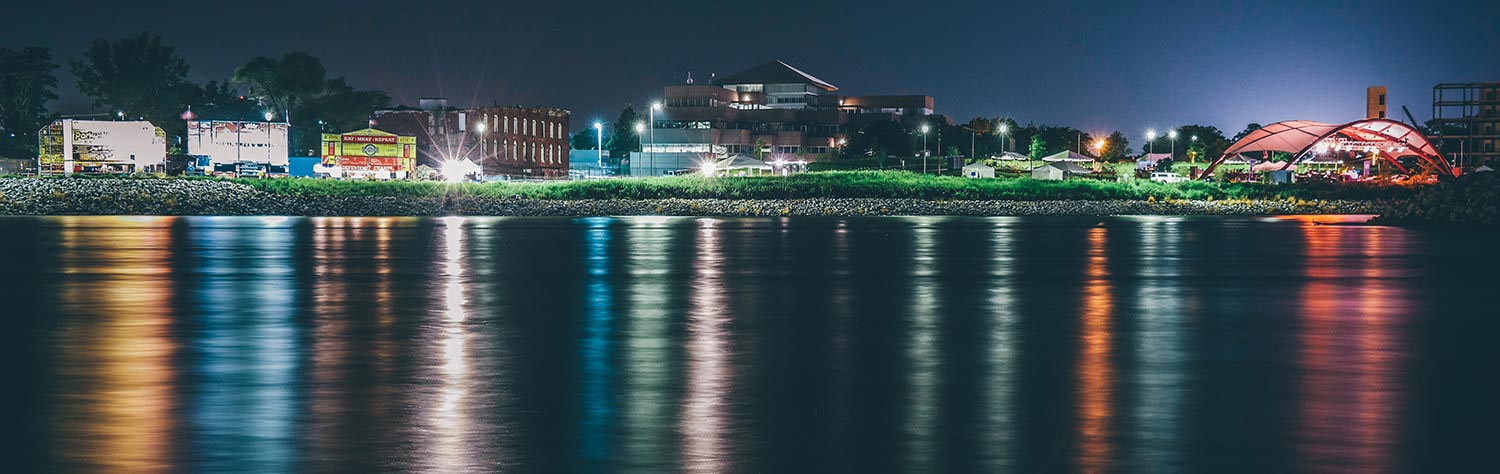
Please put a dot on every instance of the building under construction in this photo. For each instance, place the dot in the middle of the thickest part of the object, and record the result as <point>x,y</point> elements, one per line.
<point>1466,122</point>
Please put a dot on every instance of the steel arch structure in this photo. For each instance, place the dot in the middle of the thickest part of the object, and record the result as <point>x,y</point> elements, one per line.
<point>1300,136</point>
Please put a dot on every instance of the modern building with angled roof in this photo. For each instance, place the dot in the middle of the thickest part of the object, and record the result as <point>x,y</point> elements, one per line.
<point>770,110</point>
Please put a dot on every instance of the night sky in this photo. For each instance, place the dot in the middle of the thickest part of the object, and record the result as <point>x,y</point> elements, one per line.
<point>1097,65</point>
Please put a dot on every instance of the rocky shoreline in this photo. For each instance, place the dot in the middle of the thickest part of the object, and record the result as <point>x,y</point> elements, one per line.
<point>208,197</point>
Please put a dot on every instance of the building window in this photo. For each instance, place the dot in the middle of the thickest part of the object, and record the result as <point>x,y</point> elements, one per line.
<point>1382,114</point>
<point>1382,99</point>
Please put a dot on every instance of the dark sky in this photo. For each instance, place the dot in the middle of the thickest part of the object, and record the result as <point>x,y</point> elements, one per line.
<point>1097,65</point>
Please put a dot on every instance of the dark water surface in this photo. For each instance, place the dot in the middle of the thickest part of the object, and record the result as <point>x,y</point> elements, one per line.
<point>1149,344</point>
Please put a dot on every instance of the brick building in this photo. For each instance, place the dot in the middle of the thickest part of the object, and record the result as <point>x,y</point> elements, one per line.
<point>515,142</point>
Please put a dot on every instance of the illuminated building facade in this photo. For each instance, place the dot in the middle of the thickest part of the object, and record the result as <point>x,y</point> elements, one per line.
<point>770,110</point>
<point>514,142</point>
<point>368,154</point>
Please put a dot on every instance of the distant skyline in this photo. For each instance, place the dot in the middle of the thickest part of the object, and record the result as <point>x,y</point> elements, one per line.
<point>1096,65</point>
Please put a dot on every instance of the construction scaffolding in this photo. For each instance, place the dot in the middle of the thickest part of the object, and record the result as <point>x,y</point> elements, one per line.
<point>1466,122</point>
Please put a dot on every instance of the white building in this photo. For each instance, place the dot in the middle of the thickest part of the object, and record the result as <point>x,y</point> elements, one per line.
<point>68,146</point>
<point>232,142</point>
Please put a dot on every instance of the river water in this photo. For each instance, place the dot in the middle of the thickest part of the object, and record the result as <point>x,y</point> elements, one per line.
<point>652,344</point>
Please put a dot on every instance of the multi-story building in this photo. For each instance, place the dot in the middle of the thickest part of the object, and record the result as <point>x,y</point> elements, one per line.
<point>771,110</point>
<point>516,142</point>
<point>1466,122</point>
<point>1375,102</point>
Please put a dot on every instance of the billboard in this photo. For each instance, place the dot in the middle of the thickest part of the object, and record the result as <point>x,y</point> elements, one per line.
<point>228,142</point>
<point>69,145</point>
<point>370,152</point>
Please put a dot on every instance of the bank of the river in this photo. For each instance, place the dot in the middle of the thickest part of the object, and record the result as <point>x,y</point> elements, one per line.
<point>94,196</point>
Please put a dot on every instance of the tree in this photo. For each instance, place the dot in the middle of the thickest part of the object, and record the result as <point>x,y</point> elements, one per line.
<point>27,83</point>
<point>296,88</point>
<point>138,76</point>
<point>285,84</point>
<point>586,139</point>
<point>1196,151</point>
<point>1116,147</point>
<point>339,107</point>
<point>881,138</point>
<point>216,101</point>
<point>1248,128</point>
<point>760,148</point>
<point>1038,148</point>
<point>624,139</point>
<point>1212,141</point>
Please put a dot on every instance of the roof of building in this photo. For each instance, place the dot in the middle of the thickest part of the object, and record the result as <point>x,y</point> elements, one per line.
<point>774,72</point>
<point>1067,155</point>
<point>1297,137</point>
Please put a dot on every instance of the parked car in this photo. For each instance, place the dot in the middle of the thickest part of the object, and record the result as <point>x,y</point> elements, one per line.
<point>1168,177</point>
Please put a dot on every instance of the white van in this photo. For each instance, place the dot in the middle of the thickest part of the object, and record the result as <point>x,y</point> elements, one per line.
<point>1168,177</point>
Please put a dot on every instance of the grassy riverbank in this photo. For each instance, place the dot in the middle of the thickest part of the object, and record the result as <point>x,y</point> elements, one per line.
<point>840,184</point>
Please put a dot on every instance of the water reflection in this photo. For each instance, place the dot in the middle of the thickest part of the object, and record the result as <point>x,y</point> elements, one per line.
<point>742,345</point>
<point>1095,368</point>
<point>117,397</point>
<point>243,413</point>
<point>708,372</point>
<point>1159,308</point>
<point>1350,353</point>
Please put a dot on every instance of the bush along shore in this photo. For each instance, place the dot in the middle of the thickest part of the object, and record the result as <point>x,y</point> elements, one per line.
<point>1472,199</point>
<point>814,194</point>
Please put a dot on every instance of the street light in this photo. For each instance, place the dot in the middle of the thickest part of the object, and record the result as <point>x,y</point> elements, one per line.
<point>1004,147</point>
<point>599,133</point>
<point>479,127</point>
<point>1173,135</point>
<point>924,148</point>
<point>1099,147</point>
<point>652,113</point>
<point>269,116</point>
<point>1150,141</point>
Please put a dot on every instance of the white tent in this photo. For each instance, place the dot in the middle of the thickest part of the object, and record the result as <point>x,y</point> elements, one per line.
<point>979,170</point>
<point>736,162</point>
<point>1012,156</point>
<point>1058,170</point>
<point>1068,155</point>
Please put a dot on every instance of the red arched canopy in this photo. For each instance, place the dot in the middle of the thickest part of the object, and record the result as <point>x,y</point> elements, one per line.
<point>1387,138</point>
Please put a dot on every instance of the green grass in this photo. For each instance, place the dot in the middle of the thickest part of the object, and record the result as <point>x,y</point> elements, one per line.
<point>838,184</point>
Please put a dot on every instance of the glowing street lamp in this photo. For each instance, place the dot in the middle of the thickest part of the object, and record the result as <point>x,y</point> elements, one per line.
<point>1150,141</point>
<point>479,127</point>
<point>599,133</point>
<point>925,129</point>
<point>654,107</point>
<point>1004,147</point>
<point>1173,135</point>
<point>1099,147</point>
<point>269,116</point>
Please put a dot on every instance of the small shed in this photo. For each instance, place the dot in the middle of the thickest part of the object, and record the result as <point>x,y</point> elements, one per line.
<point>979,170</point>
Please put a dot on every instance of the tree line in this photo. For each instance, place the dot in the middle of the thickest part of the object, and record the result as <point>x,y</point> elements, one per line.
<point>141,78</point>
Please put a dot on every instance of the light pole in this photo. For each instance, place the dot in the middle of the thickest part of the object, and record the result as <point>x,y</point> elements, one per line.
<point>1192,159</point>
<point>1173,135</point>
<point>1004,147</point>
<point>652,113</point>
<point>641,129</point>
<point>599,133</point>
<point>479,127</point>
<point>1150,141</point>
<point>924,148</point>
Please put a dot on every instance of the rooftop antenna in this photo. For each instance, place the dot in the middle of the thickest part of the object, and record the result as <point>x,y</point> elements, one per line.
<point>690,78</point>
